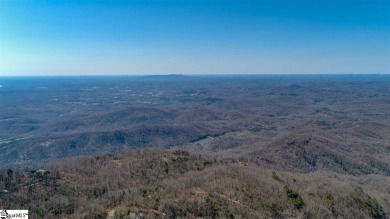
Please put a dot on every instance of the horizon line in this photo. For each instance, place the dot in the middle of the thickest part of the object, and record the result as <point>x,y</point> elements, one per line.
<point>187,74</point>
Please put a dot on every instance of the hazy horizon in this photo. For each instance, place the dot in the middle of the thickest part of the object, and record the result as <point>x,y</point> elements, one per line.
<point>194,37</point>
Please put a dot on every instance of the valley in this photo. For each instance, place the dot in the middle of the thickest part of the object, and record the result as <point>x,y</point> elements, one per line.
<point>324,137</point>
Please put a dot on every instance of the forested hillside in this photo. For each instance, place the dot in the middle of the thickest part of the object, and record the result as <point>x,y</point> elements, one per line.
<point>178,184</point>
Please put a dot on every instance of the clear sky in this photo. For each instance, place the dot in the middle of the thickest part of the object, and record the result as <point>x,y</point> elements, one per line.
<point>194,37</point>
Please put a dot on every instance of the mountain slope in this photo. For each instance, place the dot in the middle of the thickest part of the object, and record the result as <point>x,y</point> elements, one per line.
<point>176,184</point>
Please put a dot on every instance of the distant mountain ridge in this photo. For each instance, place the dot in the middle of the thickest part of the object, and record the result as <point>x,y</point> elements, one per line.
<point>295,123</point>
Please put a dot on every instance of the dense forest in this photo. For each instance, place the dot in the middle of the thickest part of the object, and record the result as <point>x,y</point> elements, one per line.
<point>178,184</point>
<point>196,146</point>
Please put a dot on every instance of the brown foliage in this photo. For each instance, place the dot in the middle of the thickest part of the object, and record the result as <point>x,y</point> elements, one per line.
<point>178,184</point>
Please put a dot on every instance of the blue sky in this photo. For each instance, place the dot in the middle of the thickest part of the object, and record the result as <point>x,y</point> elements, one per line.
<point>194,37</point>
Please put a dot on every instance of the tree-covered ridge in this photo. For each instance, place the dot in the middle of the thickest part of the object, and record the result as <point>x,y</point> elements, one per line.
<point>178,184</point>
